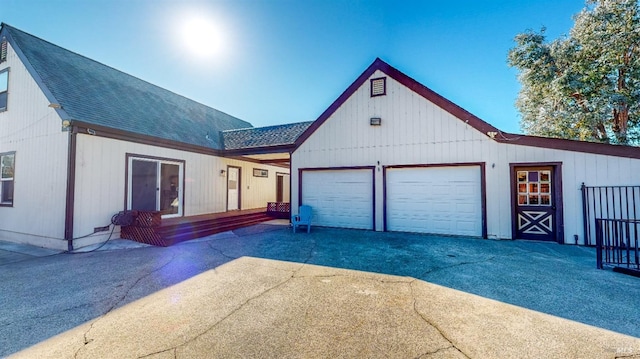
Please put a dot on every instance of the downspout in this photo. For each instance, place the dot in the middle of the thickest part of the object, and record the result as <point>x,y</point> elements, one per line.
<point>290,181</point>
<point>71,186</point>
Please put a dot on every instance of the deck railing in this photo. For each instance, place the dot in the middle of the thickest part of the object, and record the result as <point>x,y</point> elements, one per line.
<point>279,209</point>
<point>617,244</point>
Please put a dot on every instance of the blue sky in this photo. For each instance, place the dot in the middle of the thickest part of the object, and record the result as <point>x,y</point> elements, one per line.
<point>283,61</point>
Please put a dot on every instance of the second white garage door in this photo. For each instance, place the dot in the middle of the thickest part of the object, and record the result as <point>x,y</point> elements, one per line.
<point>340,198</point>
<point>439,200</point>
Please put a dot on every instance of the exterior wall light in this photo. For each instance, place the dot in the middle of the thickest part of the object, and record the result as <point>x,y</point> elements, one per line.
<point>375,121</point>
<point>223,173</point>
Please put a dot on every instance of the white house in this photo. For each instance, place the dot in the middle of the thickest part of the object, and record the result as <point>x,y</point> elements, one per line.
<point>392,155</point>
<point>80,141</point>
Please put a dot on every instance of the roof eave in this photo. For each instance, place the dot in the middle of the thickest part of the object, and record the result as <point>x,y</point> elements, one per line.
<point>569,145</point>
<point>108,132</point>
<point>287,148</point>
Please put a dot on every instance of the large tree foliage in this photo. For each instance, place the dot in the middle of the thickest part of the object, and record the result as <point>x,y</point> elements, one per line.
<point>586,85</point>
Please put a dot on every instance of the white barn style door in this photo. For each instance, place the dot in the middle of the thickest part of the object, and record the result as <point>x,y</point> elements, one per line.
<point>438,200</point>
<point>233,188</point>
<point>339,198</point>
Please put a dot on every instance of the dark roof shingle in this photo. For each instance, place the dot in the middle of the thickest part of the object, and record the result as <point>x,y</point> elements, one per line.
<point>269,136</point>
<point>94,93</point>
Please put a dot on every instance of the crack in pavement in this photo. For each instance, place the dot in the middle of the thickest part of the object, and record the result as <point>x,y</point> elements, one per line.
<point>175,354</point>
<point>312,251</point>
<point>437,351</point>
<point>221,252</point>
<point>237,309</point>
<point>436,269</point>
<point>637,355</point>
<point>426,320</point>
<point>118,301</point>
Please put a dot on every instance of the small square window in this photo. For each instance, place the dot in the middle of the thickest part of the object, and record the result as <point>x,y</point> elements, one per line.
<point>522,200</point>
<point>258,172</point>
<point>379,86</point>
<point>522,188</point>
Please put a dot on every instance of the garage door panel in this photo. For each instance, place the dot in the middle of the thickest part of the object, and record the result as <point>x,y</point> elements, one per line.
<point>339,198</point>
<point>440,200</point>
<point>465,209</point>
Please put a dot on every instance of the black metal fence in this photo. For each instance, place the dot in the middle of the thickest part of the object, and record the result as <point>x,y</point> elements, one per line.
<point>608,202</point>
<point>617,243</point>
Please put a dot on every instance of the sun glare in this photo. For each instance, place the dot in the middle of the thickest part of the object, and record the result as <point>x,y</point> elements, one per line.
<point>202,37</point>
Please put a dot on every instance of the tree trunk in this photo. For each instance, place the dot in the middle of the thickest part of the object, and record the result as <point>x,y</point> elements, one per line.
<point>621,114</point>
<point>620,121</point>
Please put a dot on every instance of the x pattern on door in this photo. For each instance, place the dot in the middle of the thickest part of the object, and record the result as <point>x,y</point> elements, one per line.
<point>535,222</point>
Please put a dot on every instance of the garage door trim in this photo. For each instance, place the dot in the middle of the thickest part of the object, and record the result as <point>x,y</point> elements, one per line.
<point>373,187</point>
<point>483,187</point>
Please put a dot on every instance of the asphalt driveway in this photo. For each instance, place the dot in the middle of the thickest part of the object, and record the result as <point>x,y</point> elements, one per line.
<point>49,294</point>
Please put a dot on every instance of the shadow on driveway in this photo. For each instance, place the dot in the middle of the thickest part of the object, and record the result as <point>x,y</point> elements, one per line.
<point>560,280</point>
<point>50,295</point>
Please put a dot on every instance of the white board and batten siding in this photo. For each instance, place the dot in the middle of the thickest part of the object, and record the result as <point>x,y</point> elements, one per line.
<point>33,131</point>
<point>340,197</point>
<point>439,200</point>
<point>404,138</point>
<point>101,181</point>
<point>416,132</point>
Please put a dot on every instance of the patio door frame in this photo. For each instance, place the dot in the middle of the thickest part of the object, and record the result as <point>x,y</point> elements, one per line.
<point>159,161</point>
<point>556,191</point>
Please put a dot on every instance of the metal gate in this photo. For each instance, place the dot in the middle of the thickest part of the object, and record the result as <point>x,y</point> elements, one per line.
<point>608,202</point>
<point>611,223</point>
<point>618,245</point>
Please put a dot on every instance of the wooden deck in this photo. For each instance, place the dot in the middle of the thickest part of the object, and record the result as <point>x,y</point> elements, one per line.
<point>210,216</point>
<point>150,228</point>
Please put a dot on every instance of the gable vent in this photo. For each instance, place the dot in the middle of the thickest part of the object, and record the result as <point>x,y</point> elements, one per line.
<point>3,50</point>
<point>379,86</point>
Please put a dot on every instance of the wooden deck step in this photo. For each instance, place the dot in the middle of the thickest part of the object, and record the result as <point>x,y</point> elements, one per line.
<point>150,228</point>
<point>180,232</point>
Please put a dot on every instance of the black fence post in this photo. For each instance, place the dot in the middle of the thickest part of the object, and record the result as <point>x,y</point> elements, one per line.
<point>598,244</point>
<point>585,217</point>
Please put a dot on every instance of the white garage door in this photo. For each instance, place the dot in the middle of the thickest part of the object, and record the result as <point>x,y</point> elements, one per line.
<point>340,198</point>
<point>439,200</point>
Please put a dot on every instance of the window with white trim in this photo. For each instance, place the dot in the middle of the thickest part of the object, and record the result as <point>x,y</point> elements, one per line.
<point>4,87</point>
<point>7,168</point>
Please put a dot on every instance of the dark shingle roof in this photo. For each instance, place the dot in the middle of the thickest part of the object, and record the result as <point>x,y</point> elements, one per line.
<point>264,136</point>
<point>94,93</point>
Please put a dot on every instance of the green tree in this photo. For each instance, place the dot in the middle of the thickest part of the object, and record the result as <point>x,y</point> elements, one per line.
<point>586,85</point>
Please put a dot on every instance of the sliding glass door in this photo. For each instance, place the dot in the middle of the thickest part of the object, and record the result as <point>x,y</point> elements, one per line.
<point>155,185</point>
